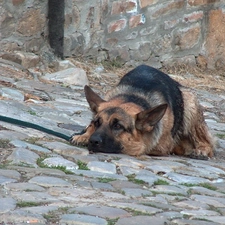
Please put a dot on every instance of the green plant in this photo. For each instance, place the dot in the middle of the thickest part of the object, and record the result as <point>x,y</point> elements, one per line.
<point>162,192</point>
<point>32,140</point>
<point>28,204</point>
<point>208,186</point>
<point>135,212</point>
<point>112,221</point>
<point>4,143</point>
<point>188,184</point>
<point>161,182</point>
<point>221,136</point>
<point>23,164</point>
<point>213,208</point>
<point>40,162</point>
<point>205,185</point>
<point>32,113</point>
<point>134,180</point>
<point>52,217</point>
<point>63,209</point>
<point>105,180</point>
<point>185,216</point>
<point>82,165</point>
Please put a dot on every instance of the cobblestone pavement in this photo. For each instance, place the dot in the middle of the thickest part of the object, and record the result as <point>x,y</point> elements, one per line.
<point>44,180</point>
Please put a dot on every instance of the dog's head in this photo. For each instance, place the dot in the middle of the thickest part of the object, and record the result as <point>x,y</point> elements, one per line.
<point>120,126</point>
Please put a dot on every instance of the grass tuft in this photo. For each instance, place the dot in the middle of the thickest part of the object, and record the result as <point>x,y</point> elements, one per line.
<point>112,221</point>
<point>135,212</point>
<point>82,165</point>
<point>4,143</point>
<point>28,204</point>
<point>134,180</point>
<point>221,136</point>
<point>161,182</point>
<point>205,185</point>
<point>33,113</point>
<point>105,180</point>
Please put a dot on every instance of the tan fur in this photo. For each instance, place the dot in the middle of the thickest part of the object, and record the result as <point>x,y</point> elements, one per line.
<point>84,138</point>
<point>196,134</point>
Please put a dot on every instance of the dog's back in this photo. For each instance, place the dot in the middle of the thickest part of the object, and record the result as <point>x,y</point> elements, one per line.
<point>150,87</point>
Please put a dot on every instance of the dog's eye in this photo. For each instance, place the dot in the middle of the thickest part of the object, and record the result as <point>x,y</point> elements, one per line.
<point>117,126</point>
<point>97,123</point>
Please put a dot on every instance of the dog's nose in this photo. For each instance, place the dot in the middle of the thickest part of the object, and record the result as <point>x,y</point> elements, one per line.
<point>95,140</point>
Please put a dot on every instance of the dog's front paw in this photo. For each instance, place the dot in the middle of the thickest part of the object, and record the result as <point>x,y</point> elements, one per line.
<point>195,155</point>
<point>202,153</point>
<point>79,140</point>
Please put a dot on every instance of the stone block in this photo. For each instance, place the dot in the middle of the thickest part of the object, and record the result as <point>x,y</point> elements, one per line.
<point>17,2</point>
<point>120,53</point>
<point>117,25</point>
<point>22,155</point>
<point>187,38</point>
<point>161,45</point>
<point>201,62</point>
<point>112,41</point>
<point>142,52</point>
<point>74,44</point>
<point>11,45</point>
<point>144,3</point>
<point>34,45</point>
<point>7,25</point>
<point>131,36</point>
<point>31,23</point>
<point>201,2</point>
<point>64,64</point>
<point>168,24</point>
<point>193,17</point>
<point>136,20</point>
<point>215,48</point>
<point>169,8</point>
<point>12,94</point>
<point>124,6</point>
<point>72,20</point>
<point>145,50</point>
<point>104,7</point>
<point>59,161</point>
<point>71,76</point>
<point>11,57</point>
<point>148,30</point>
<point>123,53</point>
<point>26,59</point>
<point>185,60</point>
<point>81,219</point>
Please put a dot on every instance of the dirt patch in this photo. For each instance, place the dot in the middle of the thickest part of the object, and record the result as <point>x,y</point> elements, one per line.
<point>193,77</point>
<point>197,78</point>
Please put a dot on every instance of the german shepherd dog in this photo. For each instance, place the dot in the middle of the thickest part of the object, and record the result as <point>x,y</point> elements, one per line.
<point>146,113</point>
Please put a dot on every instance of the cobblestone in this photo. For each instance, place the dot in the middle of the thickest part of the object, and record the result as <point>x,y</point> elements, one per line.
<point>44,180</point>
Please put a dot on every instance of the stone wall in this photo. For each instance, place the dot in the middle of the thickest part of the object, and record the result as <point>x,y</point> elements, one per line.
<point>23,25</point>
<point>156,32</point>
<point>160,31</point>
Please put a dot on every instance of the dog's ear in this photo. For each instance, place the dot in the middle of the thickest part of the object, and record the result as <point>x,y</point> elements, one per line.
<point>93,99</point>
<point>147,119</point>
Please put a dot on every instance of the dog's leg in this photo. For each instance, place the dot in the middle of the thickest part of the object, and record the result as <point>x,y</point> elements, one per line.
<point>83,138</point>
<point>195,128</point>
<point>202,140</point>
